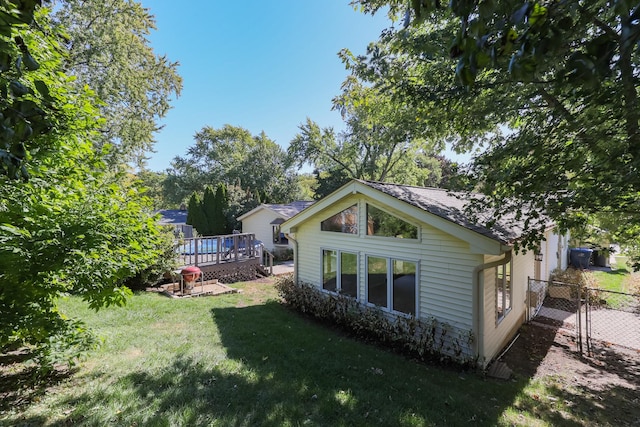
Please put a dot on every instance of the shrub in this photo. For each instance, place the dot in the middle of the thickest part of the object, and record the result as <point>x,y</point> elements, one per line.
<point>426,339</point>
<point>579,279</point>
<point>283,254</point>
<point>166,261</point>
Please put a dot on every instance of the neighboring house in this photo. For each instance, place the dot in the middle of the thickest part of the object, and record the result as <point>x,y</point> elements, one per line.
<point>265,221</point>
<point>178,219</point>
<point>412,251</point>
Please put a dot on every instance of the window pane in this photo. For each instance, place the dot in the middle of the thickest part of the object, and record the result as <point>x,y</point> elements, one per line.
<point>500,291</point>
<point>349,274</point>
<point>342,222</point>
<point>404,286</point>
<point>329,270</point>
<point>380,223</point>
<point>503,290</point>
<point>377,281</point>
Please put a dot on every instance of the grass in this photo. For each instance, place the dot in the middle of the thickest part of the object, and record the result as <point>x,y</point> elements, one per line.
<point>244,360</point>
<point>618,280</point>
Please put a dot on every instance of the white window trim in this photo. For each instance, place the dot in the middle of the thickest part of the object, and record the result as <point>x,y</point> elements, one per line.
<point>366,234</point>
<point>506,311</point>
<point>389,306</point>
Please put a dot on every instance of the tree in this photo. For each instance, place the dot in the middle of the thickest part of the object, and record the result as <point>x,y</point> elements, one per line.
<point>109,51</point>
<point>196,215</point>
<point>68,229</point>
<point>152,184</point>
<point>27,106</point>
<point>208,214</point>
<point>562,80</point>
<point>220,209</point>
<point>231,155</point>
<point>383,140</point>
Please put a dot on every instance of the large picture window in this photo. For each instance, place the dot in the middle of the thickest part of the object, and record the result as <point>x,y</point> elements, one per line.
<point>391,284</point>
<point>340,272</point>
<point>342,222</point>
<point>504,291</point>
<point>381,223</point>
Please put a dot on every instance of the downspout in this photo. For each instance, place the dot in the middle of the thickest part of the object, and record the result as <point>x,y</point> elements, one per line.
<point>295,257</point>
<point>478,290</point>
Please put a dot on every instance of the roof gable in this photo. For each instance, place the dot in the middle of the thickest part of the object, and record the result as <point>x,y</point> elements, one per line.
<point>172,216</point>
<point>448,205</point>
<point>284,211</point>
<point>443,204</point>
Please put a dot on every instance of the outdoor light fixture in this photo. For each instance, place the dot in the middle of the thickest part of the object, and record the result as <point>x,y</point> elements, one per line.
<point>538,256</point>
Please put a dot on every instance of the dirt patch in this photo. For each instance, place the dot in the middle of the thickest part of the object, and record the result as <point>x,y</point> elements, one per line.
<point>607,380</point>
<point>543,350</point>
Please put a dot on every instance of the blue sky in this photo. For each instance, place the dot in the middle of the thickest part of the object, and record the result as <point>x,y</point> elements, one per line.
<point>262,65</point>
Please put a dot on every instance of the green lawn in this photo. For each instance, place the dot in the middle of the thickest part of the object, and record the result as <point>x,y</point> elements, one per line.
<point>245,360</point>
<point>618,280</point>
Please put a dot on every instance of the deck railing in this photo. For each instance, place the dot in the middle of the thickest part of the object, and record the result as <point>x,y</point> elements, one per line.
<point>219,249</point>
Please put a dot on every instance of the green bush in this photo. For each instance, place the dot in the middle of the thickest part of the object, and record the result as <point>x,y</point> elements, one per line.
<point>425,339</point>
<point>166,261</point>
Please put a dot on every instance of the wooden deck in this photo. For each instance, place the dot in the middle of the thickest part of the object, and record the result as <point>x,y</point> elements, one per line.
<point>233,255</point>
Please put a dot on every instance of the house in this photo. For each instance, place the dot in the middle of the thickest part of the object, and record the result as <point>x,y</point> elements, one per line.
<point>178,219</point>
<point>265,221</point>
<point>412,251</point>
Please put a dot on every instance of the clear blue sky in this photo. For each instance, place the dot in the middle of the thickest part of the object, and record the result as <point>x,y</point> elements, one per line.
<point>262,65</point>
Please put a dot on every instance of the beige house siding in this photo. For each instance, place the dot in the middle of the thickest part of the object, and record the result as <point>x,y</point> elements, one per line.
<point>497,335</point>
<point>258,223</point>
<point>445,264</point>
<point>448,259</point>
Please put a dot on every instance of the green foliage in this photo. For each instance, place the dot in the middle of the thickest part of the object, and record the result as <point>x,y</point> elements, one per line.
<point>220,225</point>
<point>208,214</point>
<point>549,89</point>
<point>29,105</point>
<point>71,228</point>
<point>152,183</point>
<point>231,155</point>
<point>383,141</point>
<point>195,213</point>
<point>109,51</point>
<point>164,261</point>
<point>426,339</point>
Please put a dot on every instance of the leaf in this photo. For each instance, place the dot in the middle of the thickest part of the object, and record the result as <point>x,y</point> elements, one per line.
<point>518,16</point>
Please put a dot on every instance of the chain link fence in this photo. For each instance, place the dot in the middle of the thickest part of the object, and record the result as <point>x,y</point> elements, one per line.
<point>597,318</point>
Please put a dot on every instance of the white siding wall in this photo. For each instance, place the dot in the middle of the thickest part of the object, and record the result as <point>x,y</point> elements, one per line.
<point>260,224</point>
<point>497,335</point>
<point>445,263</point>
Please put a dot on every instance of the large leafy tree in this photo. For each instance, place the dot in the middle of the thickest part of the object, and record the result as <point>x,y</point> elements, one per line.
<point>110,52</point>
<point>231,155</point>
<point>28,109</point>
<point>560,77</point>
<point>68,229</point>
<point>383,141</point>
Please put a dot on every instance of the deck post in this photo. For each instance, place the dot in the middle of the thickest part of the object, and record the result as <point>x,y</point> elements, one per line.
<point>195,251</point>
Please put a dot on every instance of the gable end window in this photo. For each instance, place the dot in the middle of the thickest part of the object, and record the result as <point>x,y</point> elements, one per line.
<point>381,223</point>
<point>342,222</point>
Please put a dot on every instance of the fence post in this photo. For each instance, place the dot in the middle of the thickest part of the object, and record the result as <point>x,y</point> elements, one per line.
<point>587,320</point>
<point>528,300</point>
<point>195,250</point>
<point>579,320</point>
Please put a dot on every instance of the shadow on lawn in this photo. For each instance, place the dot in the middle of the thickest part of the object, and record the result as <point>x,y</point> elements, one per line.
<point>281,368</point>
<point>22,383</point>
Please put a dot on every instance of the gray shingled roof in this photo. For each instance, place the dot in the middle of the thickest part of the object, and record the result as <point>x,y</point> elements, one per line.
<point>172,216</point>
<point>290,209</point>
<point>450,206</point>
